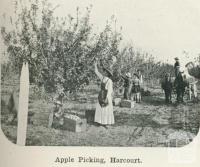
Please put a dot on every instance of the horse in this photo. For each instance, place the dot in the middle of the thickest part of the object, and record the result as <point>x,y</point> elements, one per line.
<point>192,91</point>
<point>176,84</point>
<point>180,84</point>
<point>192,88</point>
<point>167,86</point>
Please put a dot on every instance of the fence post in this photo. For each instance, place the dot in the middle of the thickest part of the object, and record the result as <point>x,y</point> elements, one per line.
<point>23,105</point>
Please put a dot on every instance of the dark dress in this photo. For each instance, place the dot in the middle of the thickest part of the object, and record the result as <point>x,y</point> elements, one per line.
<point>127,87</point>
<point>136,86</point>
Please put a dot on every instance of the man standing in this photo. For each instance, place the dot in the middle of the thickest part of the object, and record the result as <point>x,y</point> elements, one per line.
<point>176,66</point>
<point>127,85</point>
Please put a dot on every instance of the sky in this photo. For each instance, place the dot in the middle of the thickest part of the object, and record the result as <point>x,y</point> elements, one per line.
<point>165,28</point>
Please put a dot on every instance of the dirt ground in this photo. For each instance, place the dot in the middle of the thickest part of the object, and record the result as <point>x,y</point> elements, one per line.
<point>151,123</point>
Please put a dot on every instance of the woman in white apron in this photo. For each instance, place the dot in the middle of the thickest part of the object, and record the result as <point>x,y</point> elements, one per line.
<point>104,114</point>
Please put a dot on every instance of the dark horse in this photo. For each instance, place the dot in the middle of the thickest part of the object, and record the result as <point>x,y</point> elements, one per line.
<point>167,86</point>
<point>180,84</point>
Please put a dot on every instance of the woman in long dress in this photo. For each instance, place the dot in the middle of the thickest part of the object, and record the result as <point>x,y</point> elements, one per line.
<point>127,86</point>
<point>104,115</point>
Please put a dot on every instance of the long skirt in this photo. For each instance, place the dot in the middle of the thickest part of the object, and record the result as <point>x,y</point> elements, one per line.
<point>104,115</point>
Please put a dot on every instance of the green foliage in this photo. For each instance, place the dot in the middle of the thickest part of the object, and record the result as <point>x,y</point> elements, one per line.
<point>61,51</point>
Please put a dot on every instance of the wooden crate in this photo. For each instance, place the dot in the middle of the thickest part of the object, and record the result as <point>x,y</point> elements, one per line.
<point>74,125</point>
<point>127,104</point>
<point>117,101</point>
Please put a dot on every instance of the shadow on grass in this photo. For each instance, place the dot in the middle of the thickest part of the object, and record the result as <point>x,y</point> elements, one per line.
<point>155,100</point>
<point>187,120</point>
<point>139,120</point>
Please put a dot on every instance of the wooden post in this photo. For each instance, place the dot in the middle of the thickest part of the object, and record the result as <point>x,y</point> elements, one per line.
<point>23,105</point>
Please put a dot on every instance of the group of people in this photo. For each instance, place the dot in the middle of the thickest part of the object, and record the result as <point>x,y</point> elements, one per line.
<point>104,115</point>
<point>183,84</point>
<point>132,86</point>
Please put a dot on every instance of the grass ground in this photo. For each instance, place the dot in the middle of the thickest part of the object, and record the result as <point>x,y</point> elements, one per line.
<point>151,123</point>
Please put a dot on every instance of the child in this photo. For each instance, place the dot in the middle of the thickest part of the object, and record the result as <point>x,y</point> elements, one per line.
<point>57,111</point>
<point>136,88</point>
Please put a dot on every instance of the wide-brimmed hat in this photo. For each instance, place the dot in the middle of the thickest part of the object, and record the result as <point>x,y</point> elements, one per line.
<point>176,58</point>
<point>128,75</point>
<point>167,74</point>
<point>135,74</point>
<point>58,102</point>
<point>108,72</point>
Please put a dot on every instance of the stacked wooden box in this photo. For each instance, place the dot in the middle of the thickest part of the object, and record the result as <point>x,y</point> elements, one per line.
<point>117,101</point>
<point>127,103</point>
<point>74,123</point>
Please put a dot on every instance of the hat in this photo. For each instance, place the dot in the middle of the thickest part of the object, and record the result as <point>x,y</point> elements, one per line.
<point>114,59</point>
<point>108,72</point>
<point>61,94</point>
<point>167,74</point>
<point>135,74</point>
<point>176,58</point>
<point>58,102</point>
<point>128,74</point>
